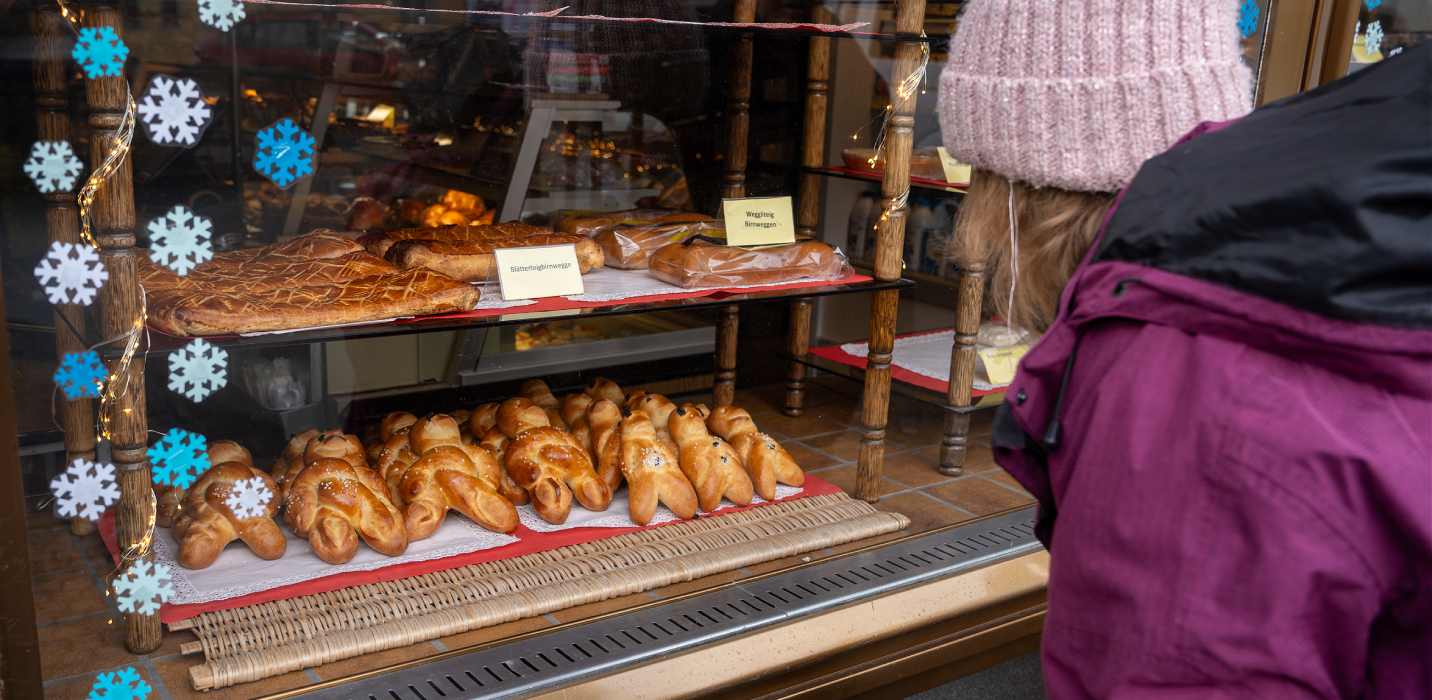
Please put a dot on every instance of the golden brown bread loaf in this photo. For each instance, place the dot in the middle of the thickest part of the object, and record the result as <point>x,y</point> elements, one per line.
<point>392,424</point>
<point>591,224</point>
<point>656,407</point>
<point>764,459</point>
<point>605,421</point>
<point>465,252</point>
<point>709,463</point>
<point>314,280</point>
<point>209,522</point>
<point>335,444</point>
<point>168,503</point>
<point>630,247</point>
<point>652,472</point>
<point>551,466</point>
<point>496,450</point>
<point>518,415</point>
<point>332,502</point>
<point>446,476</point>
<point>700,264</point>
<point>393,459</point>
<point>603,388</point>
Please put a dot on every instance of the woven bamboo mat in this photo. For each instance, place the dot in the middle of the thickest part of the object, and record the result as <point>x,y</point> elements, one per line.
<point>259,641</point>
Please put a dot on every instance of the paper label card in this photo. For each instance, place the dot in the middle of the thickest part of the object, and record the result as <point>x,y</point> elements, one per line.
<point>538,271</point>
<point>759,221</point>
<point>1001,363</point>
<point>955,172</point>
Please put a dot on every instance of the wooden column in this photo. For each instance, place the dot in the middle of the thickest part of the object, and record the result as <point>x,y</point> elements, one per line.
<point>63,223</point>
<point>969,303</point>
<point>113,224</point>
<point>724,390</point>
<point>808,212</point>
<point>738,126</point>
<point>889,248</point>
<point>738,105</point>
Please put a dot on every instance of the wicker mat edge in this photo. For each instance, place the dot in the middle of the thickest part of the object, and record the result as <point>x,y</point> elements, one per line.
<point>253,645</point>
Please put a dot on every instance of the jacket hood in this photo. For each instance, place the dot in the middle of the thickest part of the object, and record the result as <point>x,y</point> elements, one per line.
<point>1322,201</point>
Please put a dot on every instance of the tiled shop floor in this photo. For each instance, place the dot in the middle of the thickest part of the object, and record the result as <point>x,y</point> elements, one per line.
<point>79,637</point>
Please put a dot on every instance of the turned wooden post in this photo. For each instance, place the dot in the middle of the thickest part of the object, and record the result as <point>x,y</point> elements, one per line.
<point>113,224</point>
<point>738,105</point>
<point>889,248</point>
<point>62,220</point>
<point>724,390</point>
<point>738,125</point>
<point>808,212</point>
<point>969,304</point>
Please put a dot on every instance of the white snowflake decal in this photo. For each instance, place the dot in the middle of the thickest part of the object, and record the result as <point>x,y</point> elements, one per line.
<point>198,369</point>
<point>143,586</point>
<point>53,166</point>
<point>124,684</point>
<point>248,498</point>
<point>180,239</point>
<point>173,111</point>
<point>1372,40</point>
<point>221,14</point>
<point>84,490</point>
<point>71,273</point>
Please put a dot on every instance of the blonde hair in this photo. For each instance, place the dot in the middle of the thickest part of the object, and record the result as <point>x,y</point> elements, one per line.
<point>1054,229</point>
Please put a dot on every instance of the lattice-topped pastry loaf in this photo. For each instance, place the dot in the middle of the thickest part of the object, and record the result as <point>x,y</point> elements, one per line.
<point>279,287</point>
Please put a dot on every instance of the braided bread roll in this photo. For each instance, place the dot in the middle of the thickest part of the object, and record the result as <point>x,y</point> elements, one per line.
<point>605,422</point>
<point>537,391</point>
<point>574,415</point>
<point>652,472</point>
<point>394,459</point>
<point>446,476</point>
<point>208,524</point>
<point>495,449</point>
<point>764,458</point>
<point>291,461</point>
<point>709,462</point>
<point>332,502</point>
<point>551,466</point>
<point>659,409</point>
<point>483,419</point>
<point>518,415</point>
<point>392,424</point>
<point>169,504</point>
<point>603,388</point>
<point>335,444</point>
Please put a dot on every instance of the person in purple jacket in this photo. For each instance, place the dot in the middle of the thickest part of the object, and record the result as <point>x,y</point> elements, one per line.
<point>1228,420</point>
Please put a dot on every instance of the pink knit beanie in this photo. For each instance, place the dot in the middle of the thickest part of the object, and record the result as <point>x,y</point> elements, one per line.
<point>1077,94</point>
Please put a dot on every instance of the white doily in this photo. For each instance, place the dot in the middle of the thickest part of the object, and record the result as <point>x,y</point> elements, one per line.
<point>239,572</point>
<point>617,514</point>
<point>927,355</point>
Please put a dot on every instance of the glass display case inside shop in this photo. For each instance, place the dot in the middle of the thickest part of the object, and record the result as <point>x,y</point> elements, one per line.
<point>282,409</point>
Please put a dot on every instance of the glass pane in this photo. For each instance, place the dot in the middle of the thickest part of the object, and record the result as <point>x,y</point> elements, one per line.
<point>1386,28</point>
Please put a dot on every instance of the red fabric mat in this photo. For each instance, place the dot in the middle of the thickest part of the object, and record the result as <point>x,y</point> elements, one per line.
<point>563,303</point>
<point>898,373</point>
<point>529,542</point>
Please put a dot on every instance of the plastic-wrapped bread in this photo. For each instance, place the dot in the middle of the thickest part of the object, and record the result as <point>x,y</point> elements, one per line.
<point>631,247</point>
<point>699,263</point>
<point>593,223</point>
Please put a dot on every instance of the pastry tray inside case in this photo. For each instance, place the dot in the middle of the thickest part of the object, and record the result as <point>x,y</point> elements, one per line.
<point>550,347</point>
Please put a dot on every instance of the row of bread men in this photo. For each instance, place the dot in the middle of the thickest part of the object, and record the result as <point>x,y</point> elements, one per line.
<point>532,448</point>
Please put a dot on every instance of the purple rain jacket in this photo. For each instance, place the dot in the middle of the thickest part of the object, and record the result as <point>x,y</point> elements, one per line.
<point>1229,425</point>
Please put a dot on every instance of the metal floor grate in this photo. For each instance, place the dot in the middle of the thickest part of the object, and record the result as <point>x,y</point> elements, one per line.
<point>565,656</point>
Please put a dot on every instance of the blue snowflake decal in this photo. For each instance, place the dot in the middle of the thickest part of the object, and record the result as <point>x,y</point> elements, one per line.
<point>1372,4</point>
<point>100,52</point>
<point>285,153</point>
<point>179,458</point>
<point>124,684</point>
<point>1248,19</point>
<point>81,375</point>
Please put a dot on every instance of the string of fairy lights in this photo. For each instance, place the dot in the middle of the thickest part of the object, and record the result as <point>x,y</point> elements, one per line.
<point>120,373</point>
<point>904,90</point>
